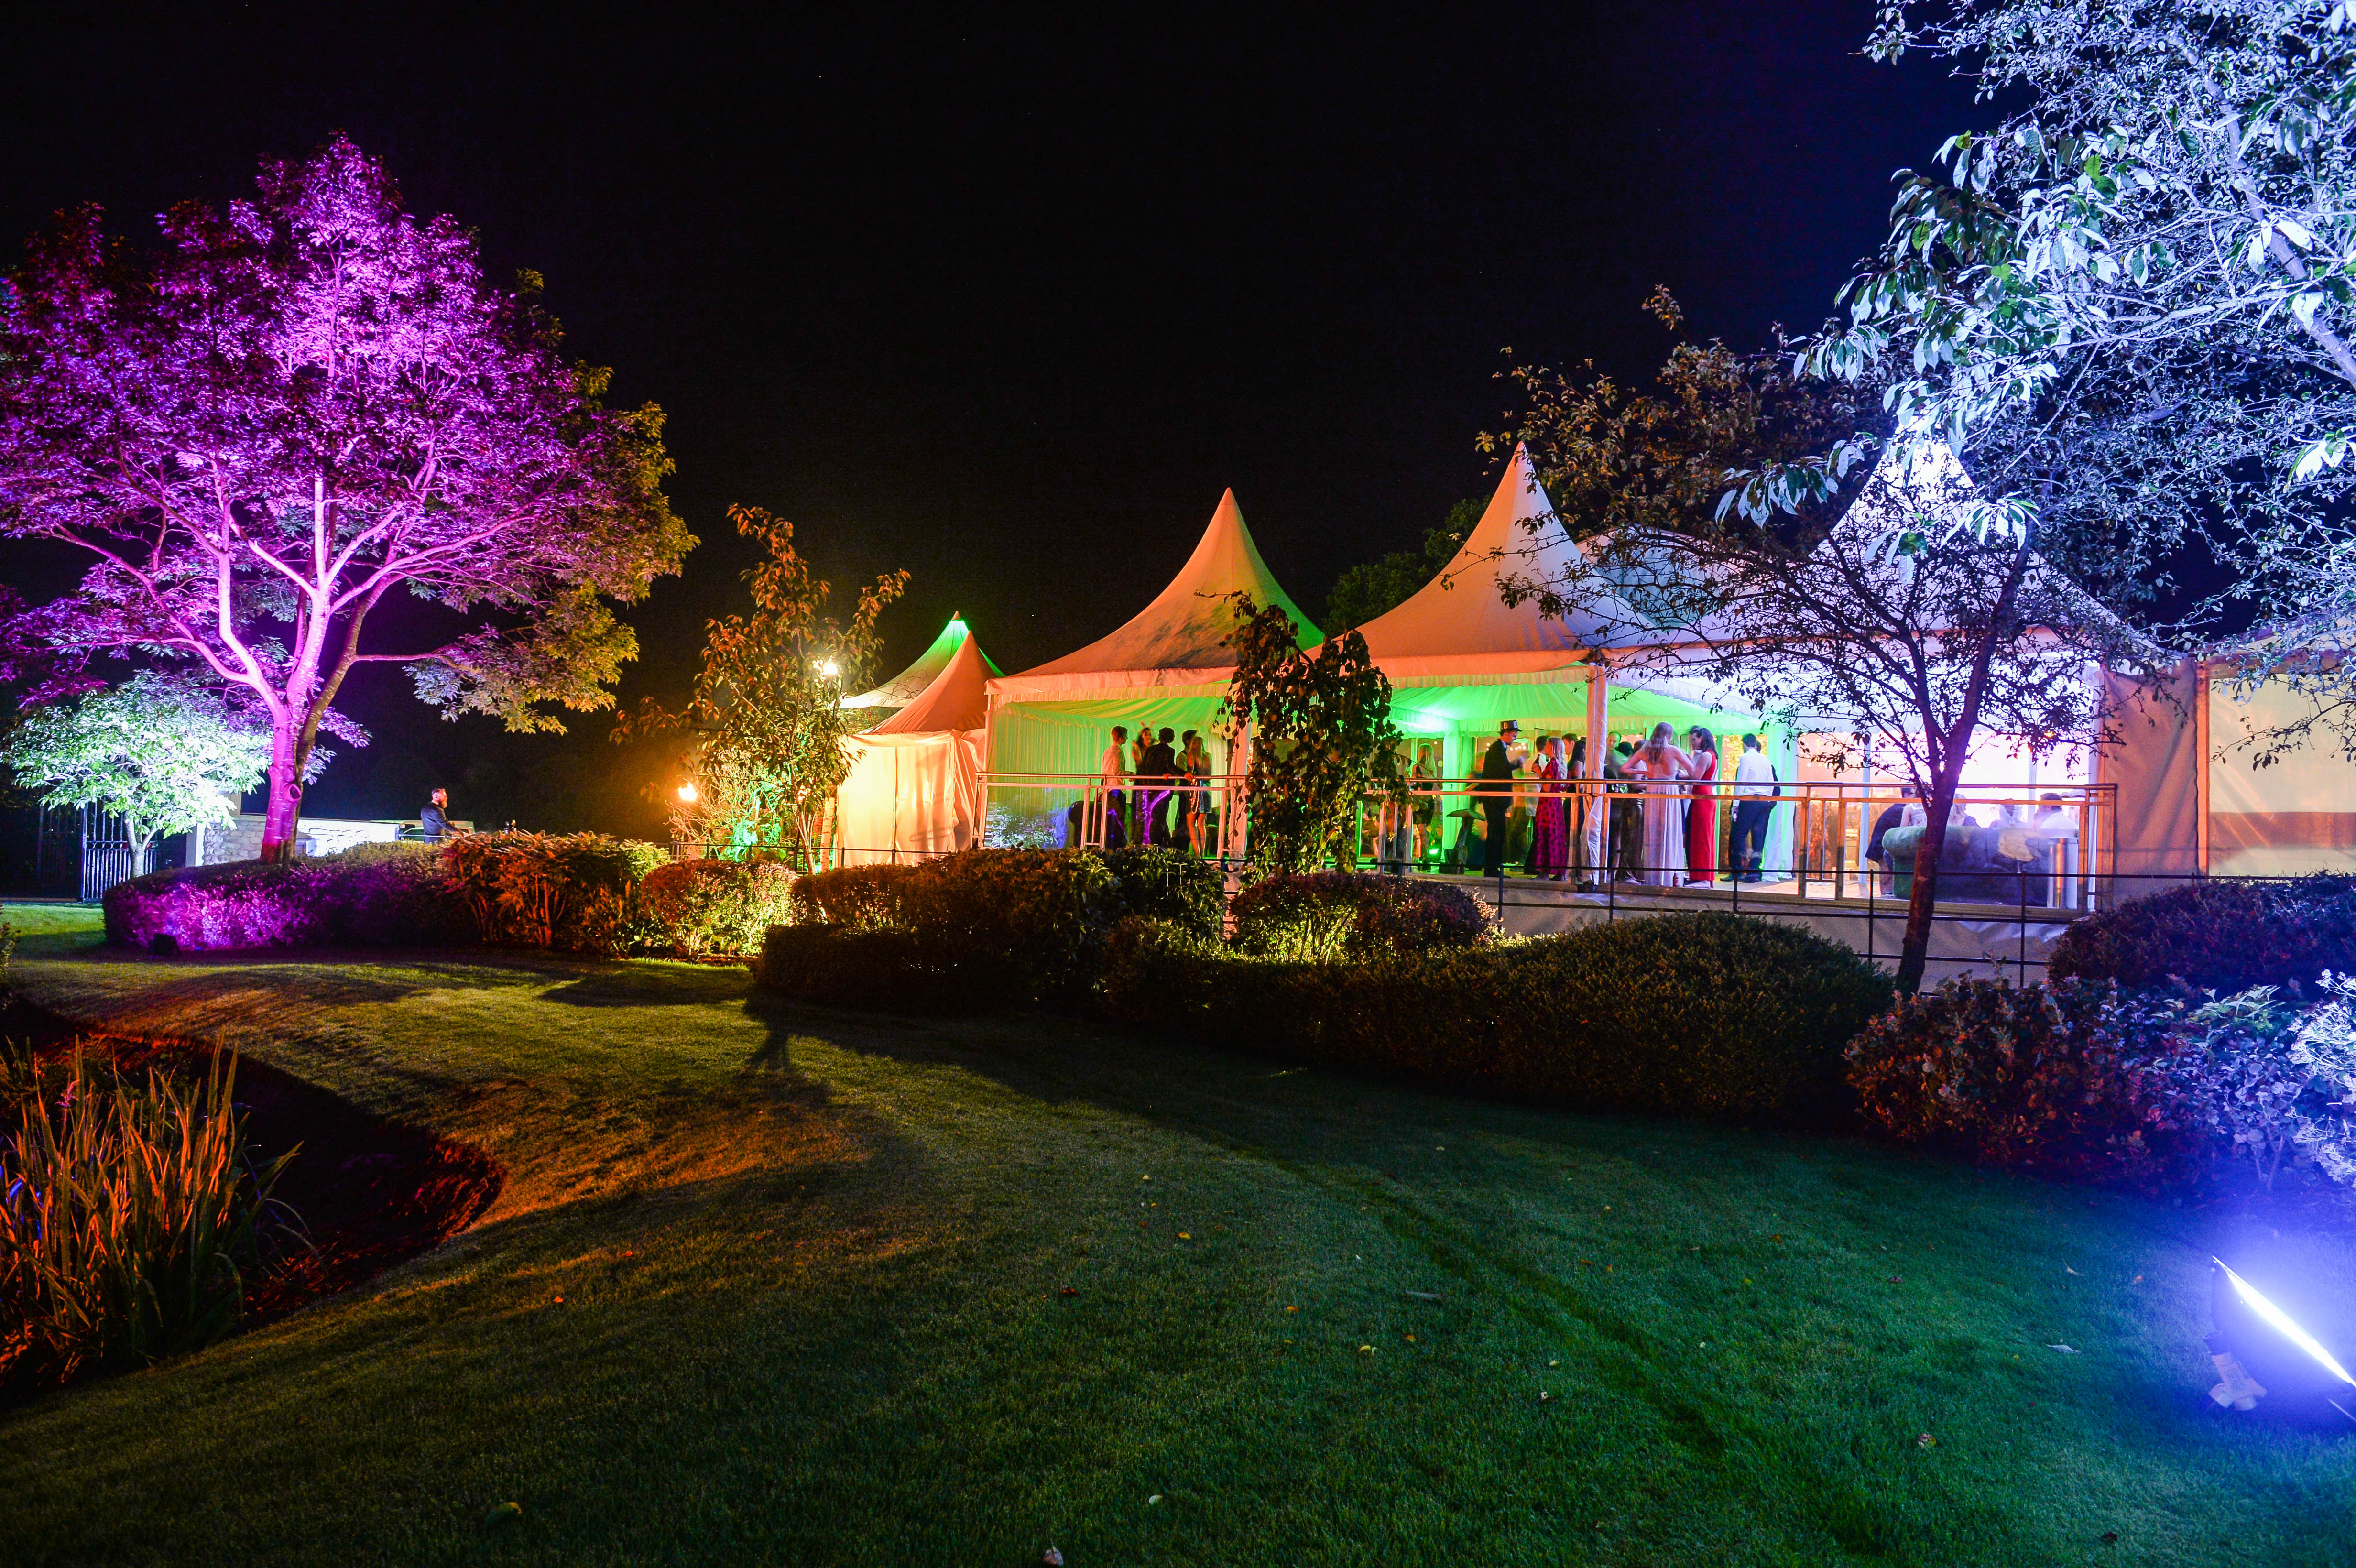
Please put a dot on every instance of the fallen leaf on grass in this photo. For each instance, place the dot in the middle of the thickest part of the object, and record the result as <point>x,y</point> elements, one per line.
<point>2067,1269</point>
<point>1425,1294</point>
<point>1067,1290</point>
<point>2063,1349</point>
<point>501,1513</point>
<point>1927,1441</point>
<point>1185,1236</point>
<point>1366,1350</point>
<point>1052,1558</point>
<point>1153,1500</point>
<point>2110,1537</point>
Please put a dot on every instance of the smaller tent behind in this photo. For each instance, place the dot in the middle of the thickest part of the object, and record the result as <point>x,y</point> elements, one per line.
<point>914,788</point>
<point>902,687</point>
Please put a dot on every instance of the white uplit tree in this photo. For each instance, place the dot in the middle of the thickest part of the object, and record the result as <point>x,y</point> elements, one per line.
<point>2134,299</point>
<point>164,755</point>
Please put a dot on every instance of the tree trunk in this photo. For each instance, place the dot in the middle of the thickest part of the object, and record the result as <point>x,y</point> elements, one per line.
<point>286,807</point>
<point>1915,950</point>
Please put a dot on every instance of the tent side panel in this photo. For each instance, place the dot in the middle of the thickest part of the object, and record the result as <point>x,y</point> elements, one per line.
<point>2155,830</point>
<point>2287,819</point>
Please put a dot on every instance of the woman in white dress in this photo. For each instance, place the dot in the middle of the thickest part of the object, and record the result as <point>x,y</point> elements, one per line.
<point>1662,766</point>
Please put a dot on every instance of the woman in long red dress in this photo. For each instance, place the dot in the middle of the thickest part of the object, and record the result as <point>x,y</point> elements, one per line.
<point>1550,843</point>
<point>1701,818</point>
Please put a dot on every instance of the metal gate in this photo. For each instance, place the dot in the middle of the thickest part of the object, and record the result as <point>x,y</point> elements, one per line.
<point>108,855</point>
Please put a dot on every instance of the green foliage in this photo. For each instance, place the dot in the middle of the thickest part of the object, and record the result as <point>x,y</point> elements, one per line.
<point>1322,736</point>
<point>979,929</point>
<point>766,712</point>
<point>166,756</point>
<point>1332,916</point>
<point>576,892</point>
<point>855,897</point>
<point>2221,935</point>
<point>1703,1015</point>
<point>129,1219</point>
<point>1170,885</point>
<point>701,908</point>
<point>1372,587</point>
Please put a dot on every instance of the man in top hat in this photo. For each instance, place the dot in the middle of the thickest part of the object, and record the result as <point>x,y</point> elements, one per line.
<point>1503,760</point>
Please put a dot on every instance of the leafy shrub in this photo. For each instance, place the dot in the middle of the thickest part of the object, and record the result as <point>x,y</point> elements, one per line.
<point>576,892</point>
<point>371,894</point>
<point>698,908</point>
<point>1336,915</point>
<point>871,966</point>
<point>1170,885</point>
<point>2221,935</point>
<point>980,928</point>
<point>1707,1015</point>
<point>2078,1080</point>
<point>129,1218</point>
<point>857,897</point>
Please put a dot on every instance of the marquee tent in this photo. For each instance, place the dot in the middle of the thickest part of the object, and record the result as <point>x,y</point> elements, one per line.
<point>915,787</point>
<point>1461,659</point>
<point>1167,667</point>
<point>902,687</point>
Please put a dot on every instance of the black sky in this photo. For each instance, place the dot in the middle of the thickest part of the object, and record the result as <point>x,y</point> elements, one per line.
<point>1008,301</point>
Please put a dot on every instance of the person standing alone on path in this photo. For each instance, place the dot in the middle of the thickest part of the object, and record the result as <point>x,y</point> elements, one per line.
<point>1498,765</point>
<point>1754,792</point>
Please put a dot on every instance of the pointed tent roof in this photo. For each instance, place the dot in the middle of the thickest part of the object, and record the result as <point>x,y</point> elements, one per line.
<point>957,697</point>
<point>1180,639</point>
<point>1458,627</point>
<point>903,687</point>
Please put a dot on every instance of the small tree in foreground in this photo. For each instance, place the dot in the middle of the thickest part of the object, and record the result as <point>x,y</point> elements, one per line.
<point>295,408</point>
<point>164,757</point>
<point>1321,737</point>
<point>766,712</point>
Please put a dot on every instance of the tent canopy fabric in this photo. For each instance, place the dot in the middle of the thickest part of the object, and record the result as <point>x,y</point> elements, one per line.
<point>903,687</point>
<point>957,697</point>
<point>1180,639</point>
<point>1458,626</point>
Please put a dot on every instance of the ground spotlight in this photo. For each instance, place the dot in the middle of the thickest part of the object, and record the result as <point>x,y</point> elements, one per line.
<point>2259,1348</point>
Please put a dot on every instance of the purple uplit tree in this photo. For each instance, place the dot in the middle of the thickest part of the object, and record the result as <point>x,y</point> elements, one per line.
<point>286,411</point>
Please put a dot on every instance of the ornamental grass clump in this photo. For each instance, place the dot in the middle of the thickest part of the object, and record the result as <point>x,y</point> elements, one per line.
<point>131,1217</point>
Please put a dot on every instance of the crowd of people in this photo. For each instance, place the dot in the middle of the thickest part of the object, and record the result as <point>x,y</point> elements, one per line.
<point>1152,790</point>
<point>1655,822</point>
<point>1652,820</point>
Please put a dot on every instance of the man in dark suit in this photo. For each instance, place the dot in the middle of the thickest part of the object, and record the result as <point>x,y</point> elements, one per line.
<point>433,822</point>
<point>1153,787</point>
<point>1499,764</point>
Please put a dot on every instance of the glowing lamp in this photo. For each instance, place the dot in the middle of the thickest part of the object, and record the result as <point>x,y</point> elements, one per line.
<point>2252,1329</point>
<point>828,669</point>
<point>687,792</point>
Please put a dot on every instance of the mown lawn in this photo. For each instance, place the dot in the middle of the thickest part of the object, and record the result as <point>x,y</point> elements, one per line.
<point>843,1289</point>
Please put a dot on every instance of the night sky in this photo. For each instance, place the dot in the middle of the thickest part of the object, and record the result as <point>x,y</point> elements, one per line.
<point>1009,303</point>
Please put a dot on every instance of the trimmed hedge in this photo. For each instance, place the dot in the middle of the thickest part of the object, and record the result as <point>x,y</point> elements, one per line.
<point>371,895</point>
<point>575,893</point>
<point>2076,1081</point>
<point>2217,935</point>
<point>979,929</point>
<point>1709,1015</point>
<point>700,909</point>
<point>1354,915</point>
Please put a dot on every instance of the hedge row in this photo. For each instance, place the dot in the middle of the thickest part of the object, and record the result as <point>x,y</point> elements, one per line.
<point>2217,935</point>
<point>577,893</point>
<point>1709,1015</point>
<point>979,929</point>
